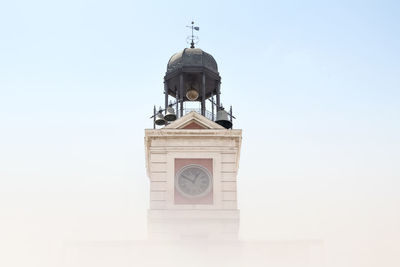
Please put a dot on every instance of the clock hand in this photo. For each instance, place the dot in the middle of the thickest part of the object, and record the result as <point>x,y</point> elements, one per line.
<point>187,178</point>
<point>197,176</point>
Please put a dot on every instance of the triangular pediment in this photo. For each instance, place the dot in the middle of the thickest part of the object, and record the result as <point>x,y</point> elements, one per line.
<point>193,120</point>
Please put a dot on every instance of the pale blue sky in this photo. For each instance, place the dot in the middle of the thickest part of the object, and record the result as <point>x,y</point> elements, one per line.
<point>300,76</point>
<point>315,86</point>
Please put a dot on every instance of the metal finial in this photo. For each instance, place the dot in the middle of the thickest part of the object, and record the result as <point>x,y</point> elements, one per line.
<point>194,39</point>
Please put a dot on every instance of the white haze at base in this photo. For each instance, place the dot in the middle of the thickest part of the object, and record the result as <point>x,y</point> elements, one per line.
<point>96,228</point>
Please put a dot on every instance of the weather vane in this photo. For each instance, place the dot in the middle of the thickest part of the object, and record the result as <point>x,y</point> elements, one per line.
<point>194,39</point>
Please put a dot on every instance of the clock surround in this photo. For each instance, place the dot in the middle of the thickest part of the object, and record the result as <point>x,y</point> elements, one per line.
<point>196,170</point>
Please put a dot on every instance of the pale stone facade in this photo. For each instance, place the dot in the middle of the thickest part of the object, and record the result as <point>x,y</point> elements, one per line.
<point>207,141</point>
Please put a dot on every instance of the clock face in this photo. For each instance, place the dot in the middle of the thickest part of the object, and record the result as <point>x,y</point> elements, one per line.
<point>193,181</point>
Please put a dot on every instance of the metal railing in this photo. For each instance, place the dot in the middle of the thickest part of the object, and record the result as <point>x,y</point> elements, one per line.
<point>209,115</point>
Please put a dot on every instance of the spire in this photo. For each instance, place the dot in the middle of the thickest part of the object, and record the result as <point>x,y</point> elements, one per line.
<point>194,39</point>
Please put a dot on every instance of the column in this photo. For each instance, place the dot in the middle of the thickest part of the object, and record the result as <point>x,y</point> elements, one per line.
<point>181,92</point>
<point>203,95</point>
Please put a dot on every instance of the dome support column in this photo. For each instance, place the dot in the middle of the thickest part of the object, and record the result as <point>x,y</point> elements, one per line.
<point>181,93</point>
<point>203,95</point>
<point>218,95</point>
<point>212,107</point>
<point>177,100</point>
<point>166,95</point>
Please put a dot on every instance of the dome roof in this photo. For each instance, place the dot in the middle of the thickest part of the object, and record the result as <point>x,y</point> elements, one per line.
<point>192,57</point>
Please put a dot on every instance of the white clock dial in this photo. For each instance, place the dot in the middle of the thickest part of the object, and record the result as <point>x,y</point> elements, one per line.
<point>193,181</point>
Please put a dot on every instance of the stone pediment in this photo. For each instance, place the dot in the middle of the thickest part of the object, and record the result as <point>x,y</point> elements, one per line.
<point>194,120</point>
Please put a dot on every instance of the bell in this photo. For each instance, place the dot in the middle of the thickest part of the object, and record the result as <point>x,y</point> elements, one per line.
<point>223,120</point>
<point>192,94</point>
<point>160,119</point>
<point>170,114</point>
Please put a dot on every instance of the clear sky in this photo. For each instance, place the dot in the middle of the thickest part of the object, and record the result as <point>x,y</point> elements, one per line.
<point>315,86</point>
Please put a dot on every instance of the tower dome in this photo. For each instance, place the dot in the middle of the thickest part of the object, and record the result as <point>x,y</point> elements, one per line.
<point>191,58</point>
<point>192,75</point>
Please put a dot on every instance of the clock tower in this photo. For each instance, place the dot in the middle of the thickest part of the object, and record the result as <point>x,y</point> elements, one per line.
<point>192,155</point>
